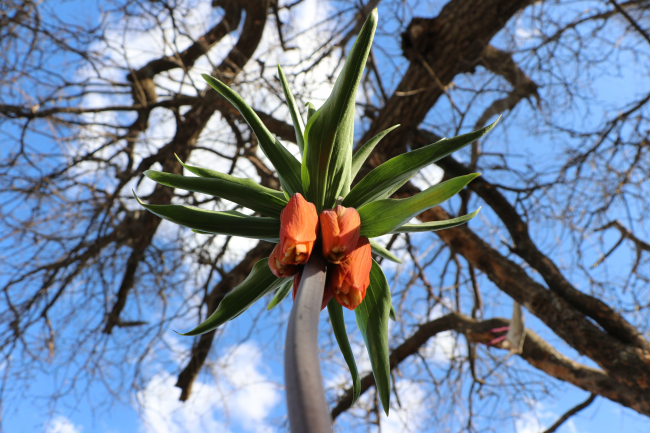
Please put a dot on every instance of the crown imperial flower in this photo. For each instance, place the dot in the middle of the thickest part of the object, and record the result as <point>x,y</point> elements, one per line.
<point>279,269</point>
<point>350,279</point>
<point>298,230</point>
<point>323,173</point>
<point>340,228</point>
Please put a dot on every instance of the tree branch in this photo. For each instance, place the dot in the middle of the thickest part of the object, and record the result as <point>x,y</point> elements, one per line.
<point>570,413</point>
<point>536,352</point>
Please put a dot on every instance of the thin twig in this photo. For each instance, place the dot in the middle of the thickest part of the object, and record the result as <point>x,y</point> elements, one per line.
<point>570,413</point>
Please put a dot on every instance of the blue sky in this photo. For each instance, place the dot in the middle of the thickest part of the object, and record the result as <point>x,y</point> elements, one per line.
<point>256,364</point>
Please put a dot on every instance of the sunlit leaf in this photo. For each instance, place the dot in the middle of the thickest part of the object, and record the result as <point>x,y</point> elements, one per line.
<point>285,163</point>
<point>231,223</point>
<point>241,191</point>
<point>338,326</point>
<point>258,283</point>
<point>293,109</point>
<point>213,174</point>
<point>384,180</point>
<point>311,110</point>
<point>282,293</point>
<point>364,151</point>
<point>392,314</point>
<point>329,135</point>
<point>385,216</point>
<point>372,320</point>
<point>436,225</point>
<point>381,251</point>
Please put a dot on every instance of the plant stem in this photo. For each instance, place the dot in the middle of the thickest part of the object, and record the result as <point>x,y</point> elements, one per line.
<point>308,410</point>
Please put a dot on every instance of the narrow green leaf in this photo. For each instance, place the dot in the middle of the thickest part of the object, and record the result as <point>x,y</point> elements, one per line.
<point>293,109</point>
<point>241,191</point>
<point>231,223</point>
<point>386,216</point>
<point>329,135</point>
<point>364,151</point>
<point>372,320</point>
<point>384,180</point>
<point>285,163</point>
<point>282,293</point>
<point>311,110</point>
<point>436,225</point>
<point>392,314</point>
<point>258,283</point>
<point>338,326</point>
<point>213,174</point>
<point>378,249</point>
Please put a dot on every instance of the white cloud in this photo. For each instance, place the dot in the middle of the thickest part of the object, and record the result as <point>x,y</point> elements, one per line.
<point>540,417</point>
<point>243,396</point>
<point>61,424</point>
<point>441,348</point>
<point>528,423</point>
<point>410,415</point>
<point>252,395</point>
<point>428,176</point>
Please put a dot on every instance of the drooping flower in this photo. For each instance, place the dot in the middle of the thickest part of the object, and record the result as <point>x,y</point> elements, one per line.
<point>340,228</point>
<point>327,294</point>
<point>350,279</point>
<point>279,269</point>
<point>298,230</point>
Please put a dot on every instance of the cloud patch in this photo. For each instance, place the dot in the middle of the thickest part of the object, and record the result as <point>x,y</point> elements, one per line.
<point>242,396</point>
<point>61,424</point>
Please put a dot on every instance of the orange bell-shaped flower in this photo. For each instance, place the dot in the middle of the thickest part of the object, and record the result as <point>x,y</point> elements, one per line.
<point>340,228</point>
<point>278,268</point>
<point>350,279</point>
<point>327,294</point>
<point>298,230</point>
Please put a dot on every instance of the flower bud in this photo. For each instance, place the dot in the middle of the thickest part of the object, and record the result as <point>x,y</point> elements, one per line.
<point>278,268</point>
<point>350,279</point>
<point>340,228</point>
<point>327,294</point>
<point>298,230</point>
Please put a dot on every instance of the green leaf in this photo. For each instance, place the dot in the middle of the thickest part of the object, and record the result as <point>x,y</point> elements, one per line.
<point>293,109</point>
<point>329,135</point>
<point>231,223</point>
<point>282,293</point>
<point>258,283</point>
<point>378,249</point>
<point>386,216</point>
<point>436,225</point>
<point>364,151</point>
<point>372,320</point>
<point>311,110</point>
<point>285,163</point>
<point>384,180</point>
<point>392,314</point>
<point>212,174</point>
<point>338,325</point>
<point>241,191</point>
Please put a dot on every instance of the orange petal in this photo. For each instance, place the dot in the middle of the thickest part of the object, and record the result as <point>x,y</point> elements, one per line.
<point>340,229</point>
<point>298,230</point>
<point>351,279</point>
<point>329,228</point>
<point>349,227</point>
<point>279,268</point>
<point>350,300</point>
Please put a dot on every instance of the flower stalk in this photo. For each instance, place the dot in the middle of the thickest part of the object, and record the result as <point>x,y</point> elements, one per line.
<point>308,410</point>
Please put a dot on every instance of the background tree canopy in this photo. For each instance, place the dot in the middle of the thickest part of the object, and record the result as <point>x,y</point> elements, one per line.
<point>92,94</point>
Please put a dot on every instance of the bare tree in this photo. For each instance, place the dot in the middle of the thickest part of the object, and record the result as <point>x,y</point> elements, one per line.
<point>88,103</point>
